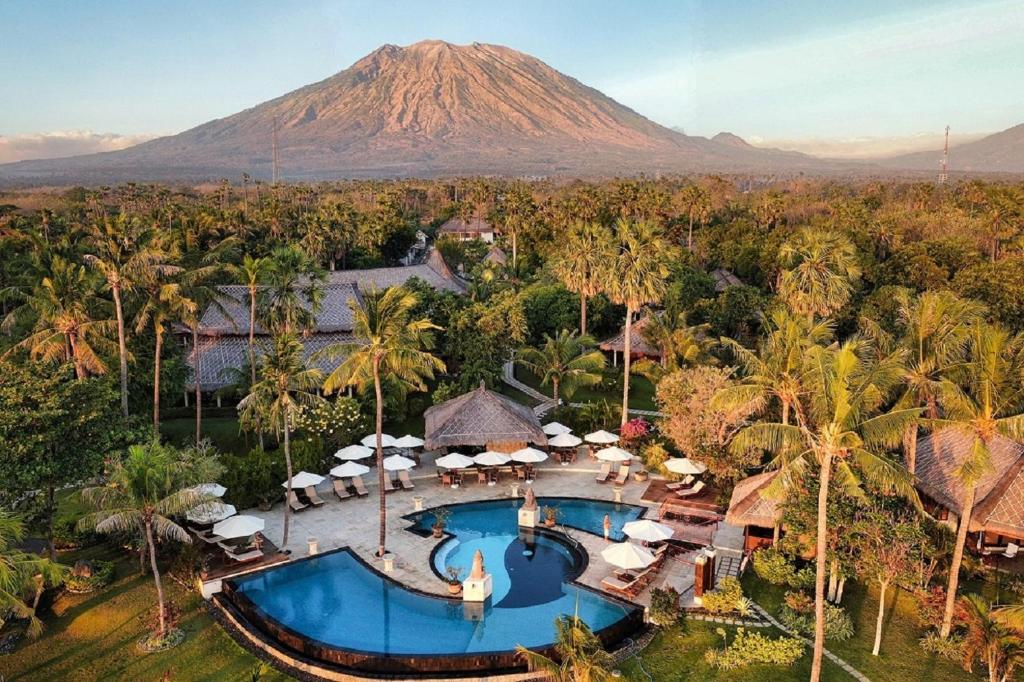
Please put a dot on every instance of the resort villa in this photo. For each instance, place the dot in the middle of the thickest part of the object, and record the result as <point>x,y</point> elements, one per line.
<point>467,230</point>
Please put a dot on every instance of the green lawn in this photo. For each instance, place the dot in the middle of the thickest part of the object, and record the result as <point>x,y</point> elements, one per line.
<point>93,637</point>
<point>641,391</point>
<point>222,431</point>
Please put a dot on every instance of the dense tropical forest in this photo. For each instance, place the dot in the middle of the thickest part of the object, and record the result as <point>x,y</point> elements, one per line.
<point>859,318</point>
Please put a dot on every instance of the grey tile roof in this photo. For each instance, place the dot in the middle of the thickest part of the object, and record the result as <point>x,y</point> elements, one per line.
<point>232,317</point>
<point>434,272</point>
<point>471,226</point>
<point>725,279</point>
<point>481,417</point>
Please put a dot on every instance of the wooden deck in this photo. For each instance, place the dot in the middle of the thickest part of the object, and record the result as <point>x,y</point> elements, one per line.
<point>219,565</point>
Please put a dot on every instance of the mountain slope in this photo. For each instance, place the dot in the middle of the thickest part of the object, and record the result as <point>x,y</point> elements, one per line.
<point>427,109</point>
<point>1000,152</point>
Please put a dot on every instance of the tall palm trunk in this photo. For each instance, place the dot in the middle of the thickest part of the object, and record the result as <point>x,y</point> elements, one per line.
<point>583,314</point>
<point>122,348</point>
<point>252,354</point>
<point>288,470</point>
<point>380,456</point>
<point>785,413</point>
<point>910,448</point>
<point>79,368</point>
<point>156,377</point>
<point>156,578</point>
<point>515,249</point>
<point>554,389</point>
<point>820,568</point>
<point>882,585</point>
<point>198,384</point>
<point>689,235</point>
<point>627,355</point>
<point>958,557</point>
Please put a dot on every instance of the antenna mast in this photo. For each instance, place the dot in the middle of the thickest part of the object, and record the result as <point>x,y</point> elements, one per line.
<point>944,164</point>
<point>274,143</point>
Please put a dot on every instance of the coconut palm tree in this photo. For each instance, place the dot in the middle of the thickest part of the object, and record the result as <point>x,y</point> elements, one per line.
<point>819,270</point>
<point>285,385</point>
<point>981,398</point>
<point>637,275</point>
<point>564,362</point>
<point>679,342</point>
<point>581,658</point>
<point>989,639</point>
<point>62,309</point>
<point>124,252</point>
<point>842,429</point>
<point>696,204</point>
<point>165,303</point>
<point>581,262</point>
<point>251,273</point>
<point>388,346</point>
<point>144,494</point>
<point>293,293</point>
<point>21,574</point>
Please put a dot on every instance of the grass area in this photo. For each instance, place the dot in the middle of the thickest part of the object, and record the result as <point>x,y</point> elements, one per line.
<point>93,636</point>
<point>641,391</point>
<point>222,431</point>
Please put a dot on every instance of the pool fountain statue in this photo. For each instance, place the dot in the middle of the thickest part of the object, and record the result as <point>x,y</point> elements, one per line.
<point>479,585</point>
<point>529,513</point>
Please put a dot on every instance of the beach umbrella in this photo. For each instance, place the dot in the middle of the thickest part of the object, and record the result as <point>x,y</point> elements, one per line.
<point>529,455</point>
<point>349,469</point>
<point>354,452</point>
<point>210,512</point>
<point>556,429</point>
<point>211,489</point>
<point>408,441</point>
<point>614,454</point>
<point>627,555</point>
<point>601,437</point>
<point>386,441</point>
<point>648,531</point>
<point>685,466</point>
<point>454,460</point>
<point>239,527</point>
<point>398,463</point>
<point>564,440</point>
<point>304,479</point>
<point>492,459</point>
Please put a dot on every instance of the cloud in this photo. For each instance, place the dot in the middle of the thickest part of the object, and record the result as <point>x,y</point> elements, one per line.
<point>863,147</point>
<point>63,143</point>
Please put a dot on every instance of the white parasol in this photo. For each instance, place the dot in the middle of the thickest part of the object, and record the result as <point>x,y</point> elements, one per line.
<point>564,440</point>
<point>685,466</point>
<point>529,455</point>
<point>408,441</point>
<point>454,460</point>
<point>354,452</point>
<point>601,437</point>
<point>304,479</point>
<point>492,459</point>
<point>211,489</point>
<point>556,429</point>
<point>614,454</point>
<point>349,469</point>
<point>211,512</point>
<point>398,463</point>
<point>238,527</point>
<point>627,555</point>
<point>648,531</point>
<point>386,441</point>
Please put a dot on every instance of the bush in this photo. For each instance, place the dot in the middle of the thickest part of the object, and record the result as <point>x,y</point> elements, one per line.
<point>726,599</point>
<point>751,648</point>
<point>336,423</point>
<point>102,575</point>
<point>773,566</point>
<point>654,457</point>
<point>798,616</point>
<point>664,606</point>
<point>931,605</point>
<point>249,479</point>
<point>950,648</point>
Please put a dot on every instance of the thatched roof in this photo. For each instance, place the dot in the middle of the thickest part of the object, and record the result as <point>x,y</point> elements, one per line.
<point>434,272</point>
<point>749,507</point>
<point>638,344</point>
<point>999,496</point>
<point>724,279</point>
<point>457,225</point>
<point>496,256</point>
<point>481,417</point>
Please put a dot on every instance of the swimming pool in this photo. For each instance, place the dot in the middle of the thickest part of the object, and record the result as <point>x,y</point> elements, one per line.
<point>334,605</point>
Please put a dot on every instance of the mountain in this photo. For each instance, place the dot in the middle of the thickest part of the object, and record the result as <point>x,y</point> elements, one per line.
<point>431,108</point>
<point>1001,152</point>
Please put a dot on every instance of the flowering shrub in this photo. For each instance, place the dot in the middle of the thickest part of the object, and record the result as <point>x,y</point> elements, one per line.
<point>664,606</point>
<point>336,423</point>
<point>635,430</point>
<point>726,599</point>
<point>950,648</point>
<point>931,604</point>
<point>798,616</point>
<point>750,648</point>
<point>772,566</point>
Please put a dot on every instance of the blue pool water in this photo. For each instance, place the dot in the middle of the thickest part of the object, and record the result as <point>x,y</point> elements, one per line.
<point>337,600</point>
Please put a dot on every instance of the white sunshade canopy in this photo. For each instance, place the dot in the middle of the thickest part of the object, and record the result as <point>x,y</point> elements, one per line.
<point>349,469</point>
<point>239,527</point>
<point>304,479</point>
<point>211,512</point>
<point>354,452</point>
<point>627,555</point>
<point>529,455</point>
<point>386,441</point>
<point>684,465</point>
<point>614,454</point>
<point>648,531</point>
<point>556,429</point>
<point>601,437</point>
<point>398,463</point>
<point>492,459</point>
<point>454,460</point>
<point>564,440</point>
<point>408,441</point>
<point>213,489</point>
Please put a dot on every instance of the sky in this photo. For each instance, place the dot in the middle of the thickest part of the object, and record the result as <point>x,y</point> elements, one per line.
<point>851,78</point>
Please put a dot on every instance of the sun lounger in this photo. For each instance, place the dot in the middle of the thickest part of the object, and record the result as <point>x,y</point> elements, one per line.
<point>623,474</point>
<point>689,492</point>
<point>685,483</point>
<point>403,478</point>
<point>242,556</point>
<point>207,536</point>
<point>340,490</point>
<point>311,495</point>
<point>294,502</point>
<point>389,485</point>
<point>360,487</point>
<point>1011,550</point>
<point>632,587</point>
<point>605,473</point>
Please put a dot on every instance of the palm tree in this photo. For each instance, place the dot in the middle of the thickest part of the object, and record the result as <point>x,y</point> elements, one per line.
<point>696,203</point>
<point>293,293</point>
<point>285,384</point>
<point>165,303</point>
<point>989,639</point>
<point>124,252</point>
<point>251,274</point>
<point>819,269</point>
<point>679,342</point>
<point>981,399</point>
<point>388,346</point>
<point>564,362</point>
<point>62,309</point>
<point>144,494</point>
<point>581,261</point>
<point>22,573</point>
<point>580,655</point>
<point>843,430</point>
<point>637,275</point>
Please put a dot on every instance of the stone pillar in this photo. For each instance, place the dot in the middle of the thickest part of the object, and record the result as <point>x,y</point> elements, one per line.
<point>479,585</point>
<point>698,579</point>
<point>710,568</point>
<point>218,400</point>
<point>529,513</point>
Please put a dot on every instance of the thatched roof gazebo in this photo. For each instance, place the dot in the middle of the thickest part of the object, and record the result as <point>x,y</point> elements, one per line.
<point>750,508</point>
<point>482,418</point>
<point>638,344</point>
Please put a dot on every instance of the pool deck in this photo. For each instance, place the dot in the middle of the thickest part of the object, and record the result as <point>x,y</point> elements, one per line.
<point>354,523</point>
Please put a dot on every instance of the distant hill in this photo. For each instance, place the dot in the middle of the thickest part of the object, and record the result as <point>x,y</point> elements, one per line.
<point>1002,152</point>
<point>431,108</point>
